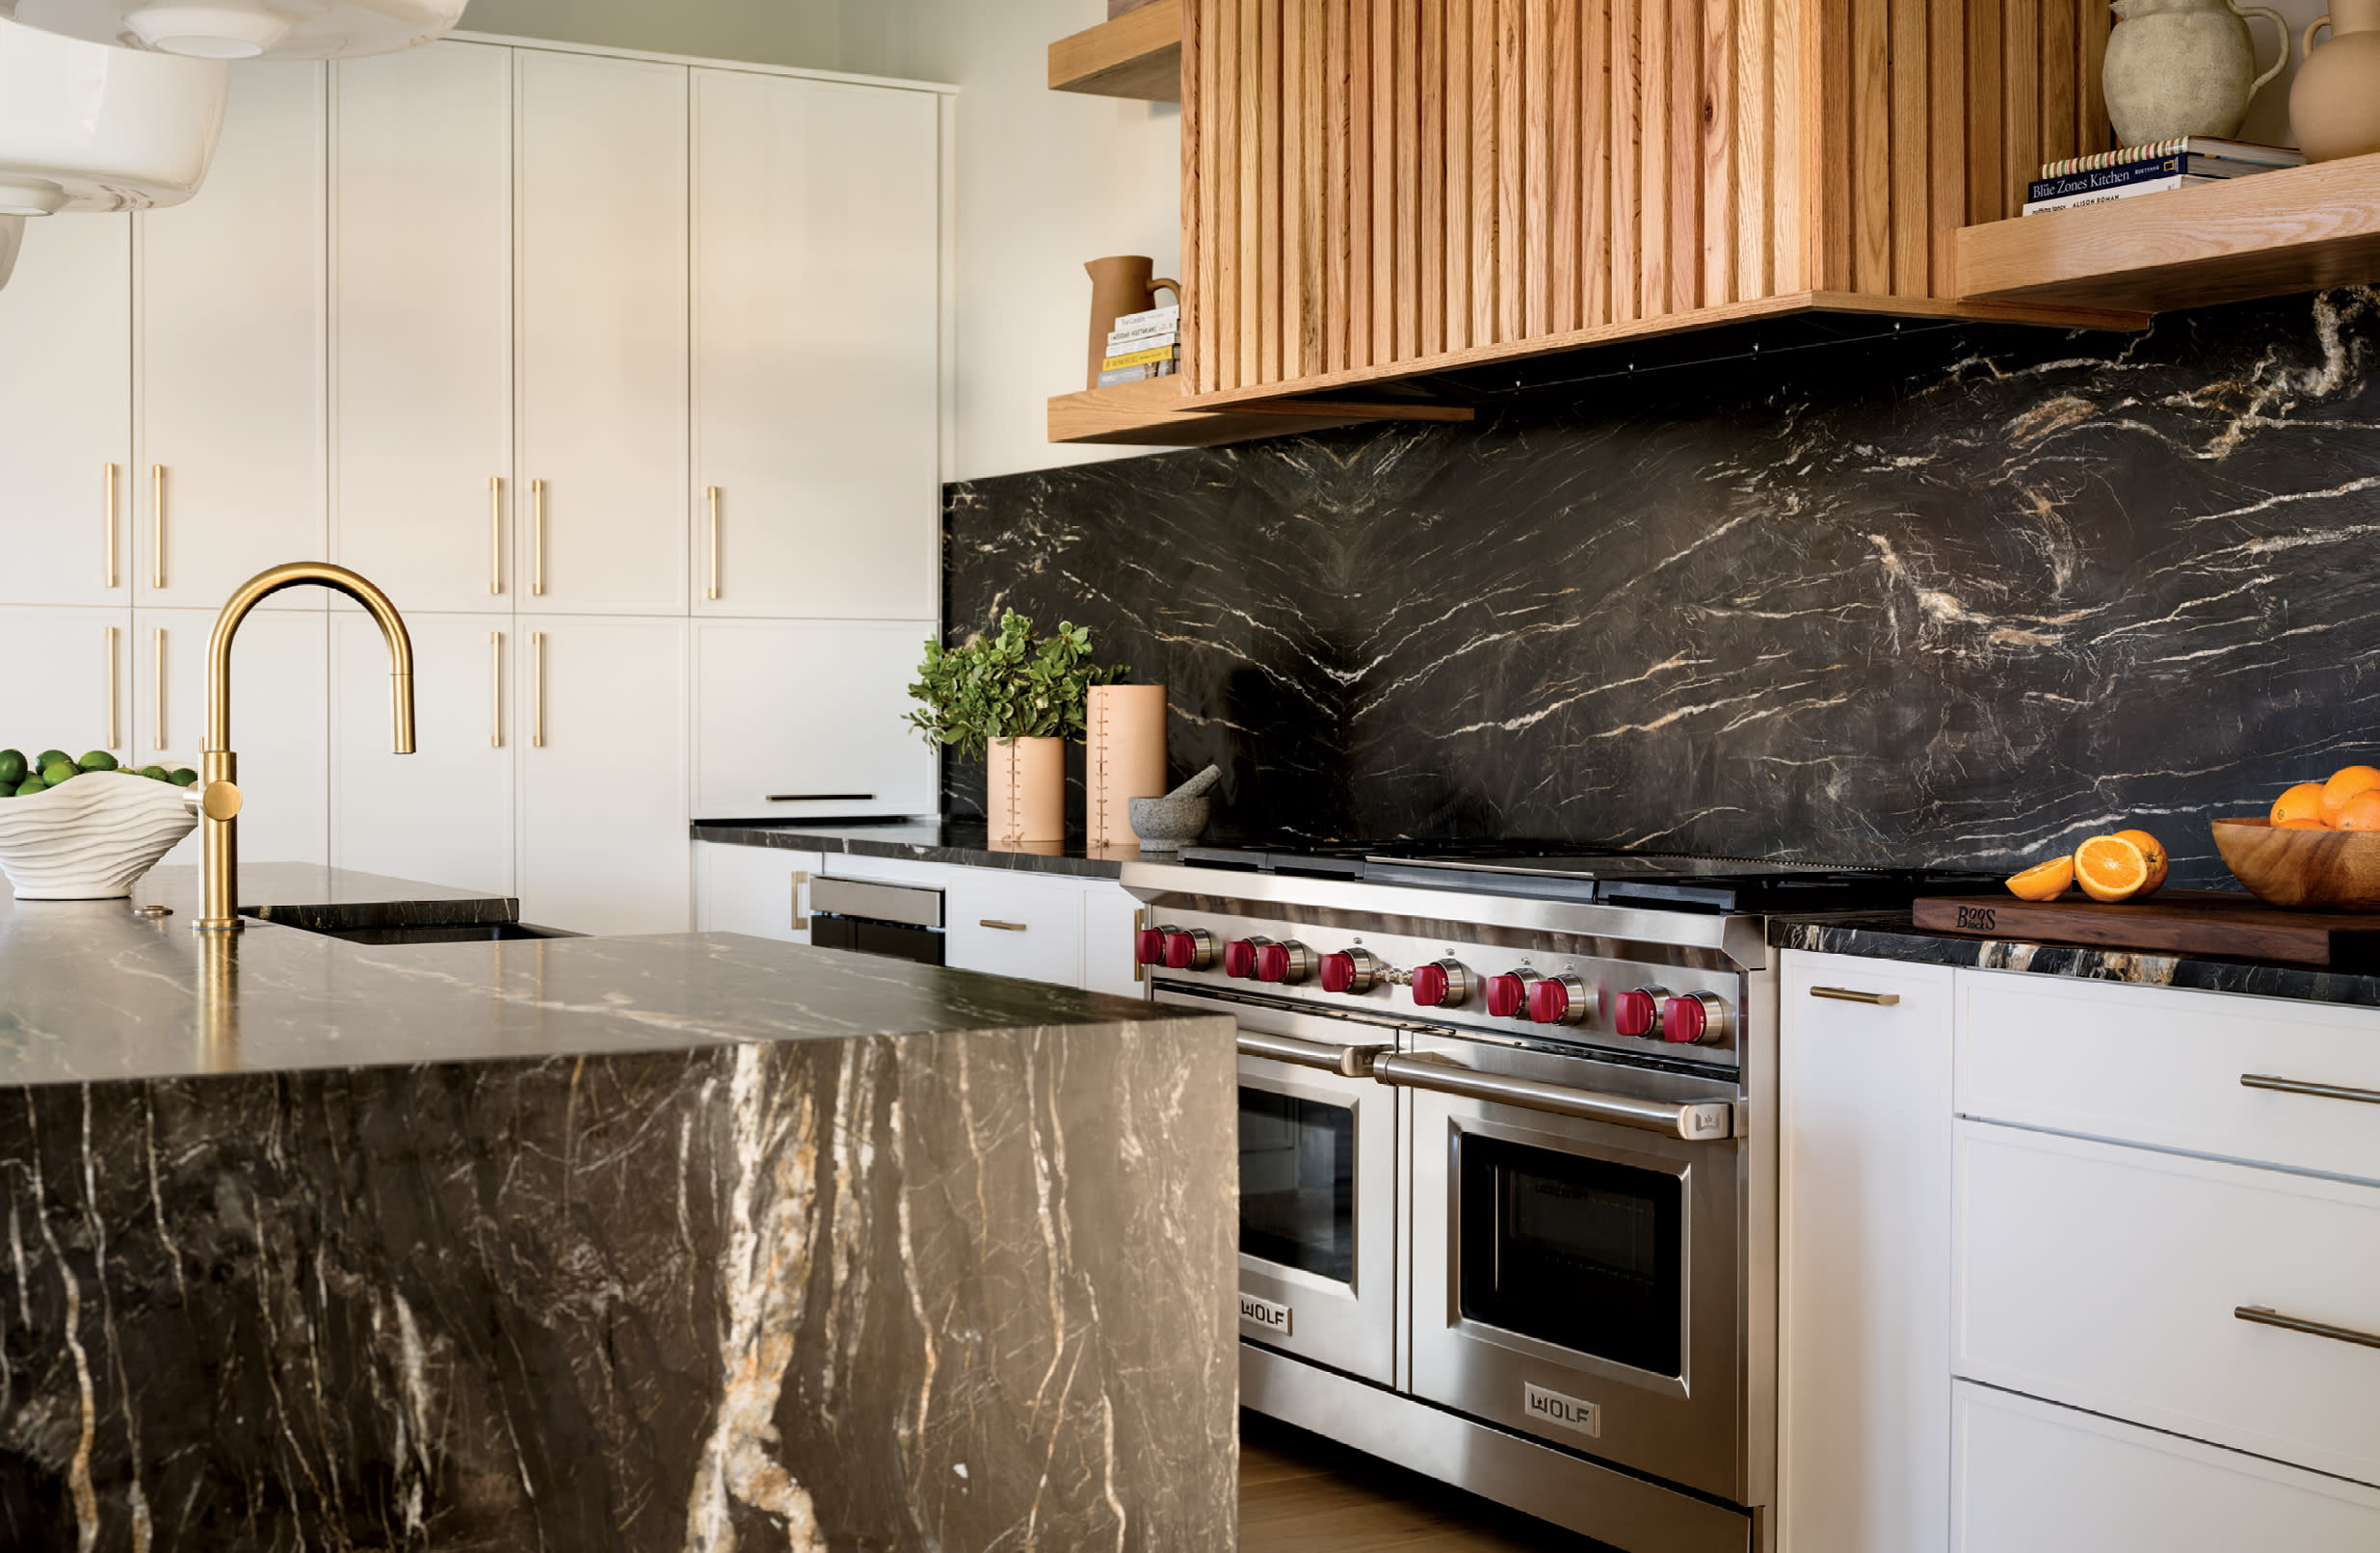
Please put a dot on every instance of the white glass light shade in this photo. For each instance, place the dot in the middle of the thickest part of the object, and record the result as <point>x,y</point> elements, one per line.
<point>85,128</point>
<point>12,238</point>
<point>246,29</point>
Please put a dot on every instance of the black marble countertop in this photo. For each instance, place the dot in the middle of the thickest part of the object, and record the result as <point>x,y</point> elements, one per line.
<point>1893,936</point>
<point>926,841</point>
<point>95,991</point>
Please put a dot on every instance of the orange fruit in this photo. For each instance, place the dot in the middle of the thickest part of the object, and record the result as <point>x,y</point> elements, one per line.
<point>2362,812</point>
<point>2153,852</point>
<point>2345,783</point>
<point>2043,881</point>
<point>2304,802</point>
<point>2110,868</point>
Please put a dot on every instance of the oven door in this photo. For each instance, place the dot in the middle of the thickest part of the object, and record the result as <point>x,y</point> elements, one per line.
<point>1581,1279</point>
<point>1317,1192</point>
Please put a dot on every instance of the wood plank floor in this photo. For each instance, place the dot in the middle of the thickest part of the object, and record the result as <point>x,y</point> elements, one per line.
<point>1301,1494</point>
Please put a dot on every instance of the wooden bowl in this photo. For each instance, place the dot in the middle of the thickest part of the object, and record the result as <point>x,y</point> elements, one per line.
<point>2303,870</point>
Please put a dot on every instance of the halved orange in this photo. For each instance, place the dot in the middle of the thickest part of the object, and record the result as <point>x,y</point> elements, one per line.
<point>2110,868</point>
<point>2043,881</point>
<point>2345,783</point>
<point>2362,812</point>
<point>2304,802</point>
<point>2153,852</point>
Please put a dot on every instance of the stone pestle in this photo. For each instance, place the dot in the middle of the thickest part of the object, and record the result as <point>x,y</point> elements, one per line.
<point>1196,786</point>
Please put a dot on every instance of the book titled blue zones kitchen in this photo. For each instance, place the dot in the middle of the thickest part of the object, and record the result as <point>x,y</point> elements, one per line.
<point>2139,169</point>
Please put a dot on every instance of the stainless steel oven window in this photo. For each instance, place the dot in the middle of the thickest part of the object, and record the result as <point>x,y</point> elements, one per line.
<point>1297,1183</point>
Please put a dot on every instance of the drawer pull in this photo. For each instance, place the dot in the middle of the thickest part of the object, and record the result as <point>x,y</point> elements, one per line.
<point>2263,1317</point>
<point>822,798</point>
<point>1002,927</point>
<point>801,923</point>
<point>1844,994</point>
<point>2299,1086</point>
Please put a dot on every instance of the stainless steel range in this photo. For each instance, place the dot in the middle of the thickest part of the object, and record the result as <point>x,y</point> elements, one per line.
<point>1508,1164</point>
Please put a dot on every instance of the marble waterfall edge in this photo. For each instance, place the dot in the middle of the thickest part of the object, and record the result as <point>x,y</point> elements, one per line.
<point>926,1291</point>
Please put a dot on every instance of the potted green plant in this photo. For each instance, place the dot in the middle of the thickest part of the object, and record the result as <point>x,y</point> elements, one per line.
<point>1013,698</point>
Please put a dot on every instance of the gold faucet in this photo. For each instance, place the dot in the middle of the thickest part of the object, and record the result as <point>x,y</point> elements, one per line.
<point>219,796</point>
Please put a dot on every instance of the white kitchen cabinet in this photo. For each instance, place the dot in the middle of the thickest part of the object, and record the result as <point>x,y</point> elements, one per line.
<point>66,415</point>
<point>803,718</point>
<point>232,404</point>
<point>279,722</point>
<point>1010,924</point>
<point>421,246</point>
<point>601,800</point>
<point>1111,919</point>
<point>2034,1478</point>
<point>442,814</point>
<point>600,295</point>
<point>1864,1188</point>
<point>79,699</point>
<point>763,891</point>
<point>817,348</point>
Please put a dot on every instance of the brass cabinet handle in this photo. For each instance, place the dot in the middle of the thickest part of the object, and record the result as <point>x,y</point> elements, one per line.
<point>1140,924</point>
<point>157,525</point>
<point>2299,1086</point>
<point>537,547</point>
<point>158,652</point>
<point>114,721</point>
<point>2265,1317</point>
<point>536,677</point>
<point>107,525</point>
<point>1844,994</point>
<point>711,495</point>
<point>1003,927</point>
<point>801,923</point>
<point>820,798</point>
<point>495,534</point>
<point>495,690</point>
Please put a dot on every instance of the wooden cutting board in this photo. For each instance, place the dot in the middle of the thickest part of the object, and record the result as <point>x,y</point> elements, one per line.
<point>2229,922</point>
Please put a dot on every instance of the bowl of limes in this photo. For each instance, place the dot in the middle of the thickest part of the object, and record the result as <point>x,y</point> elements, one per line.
<point>85,830</point>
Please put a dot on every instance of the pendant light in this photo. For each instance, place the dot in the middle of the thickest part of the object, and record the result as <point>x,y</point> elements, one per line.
<point>89,128</point>
<point>12,238</point>
<point>246,29</point>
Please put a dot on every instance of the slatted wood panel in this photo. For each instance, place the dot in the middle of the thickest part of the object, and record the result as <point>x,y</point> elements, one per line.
<point>1385,183</point>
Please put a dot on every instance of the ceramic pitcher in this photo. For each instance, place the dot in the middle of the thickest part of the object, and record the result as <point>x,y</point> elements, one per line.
<point>2179,68</point>
<point>1122,284</point>
<point>2335,106</point>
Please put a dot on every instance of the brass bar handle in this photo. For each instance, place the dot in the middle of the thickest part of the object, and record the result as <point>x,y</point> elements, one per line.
<point>800,922</point>
<point>495,690</point>
<point>1844,994</point>
<point>158,652</point>
<point>107,525</point>
<point>495,534</point>
<point>1693,1121</point>
<point>1348,1061</point>
<point>2299,1086</point>
<point>711,493</point>
<point>157,525</point>
<point>114,719</point>
<point>1001,926</point>
<point>1140,925</point>
<point>819,798</point>
<point>536,710</point>
<point>537,547</point>
<point>2265,1317</point>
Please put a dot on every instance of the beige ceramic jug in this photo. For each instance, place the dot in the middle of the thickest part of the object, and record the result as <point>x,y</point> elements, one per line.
<point>2335,106</point>
<point>1122,284</point>
<point>2178,67</point>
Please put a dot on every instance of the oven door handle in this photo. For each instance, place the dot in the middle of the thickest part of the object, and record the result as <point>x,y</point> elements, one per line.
<point>1695,1121</point>
<point>1348,1061</point>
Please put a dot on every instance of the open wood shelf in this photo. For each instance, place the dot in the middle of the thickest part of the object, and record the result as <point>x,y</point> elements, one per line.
<point>2268,235</point>
<point>1136,55</point>
<point>1150,413</point>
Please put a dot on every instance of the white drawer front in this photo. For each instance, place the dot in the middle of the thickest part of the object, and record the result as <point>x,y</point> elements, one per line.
<point>2036,1479</point>
<point>2153,1066</point>
<point>1014,925</point>
<point>759,890</point>
<point>2106,1278</point>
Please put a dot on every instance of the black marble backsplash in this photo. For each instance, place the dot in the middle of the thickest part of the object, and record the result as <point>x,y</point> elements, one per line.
<point>1960,594</point>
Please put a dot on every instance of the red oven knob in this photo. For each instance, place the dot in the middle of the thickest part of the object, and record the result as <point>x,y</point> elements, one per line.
<point>1441,984</point>
<point>1558,1000</point>
<point>1350,970</point>
<point>1637,1013</point>
<point>1239,958</point>
<point>1149,945</point>
<point>1508,994</point>
<point>1291,962</point>
<point>1189,948</point>
<point>1697,1020</point>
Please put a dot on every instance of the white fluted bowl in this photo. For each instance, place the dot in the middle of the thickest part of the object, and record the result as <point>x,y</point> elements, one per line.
<point>91,839</point>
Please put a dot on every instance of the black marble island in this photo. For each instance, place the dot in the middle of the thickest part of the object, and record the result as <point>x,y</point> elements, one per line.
<point>689,1241</point>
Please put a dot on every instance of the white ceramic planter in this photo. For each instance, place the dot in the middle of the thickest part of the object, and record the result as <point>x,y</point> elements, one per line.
<point>249,29</point>
<point>89,839</point>
<point>84,127</point>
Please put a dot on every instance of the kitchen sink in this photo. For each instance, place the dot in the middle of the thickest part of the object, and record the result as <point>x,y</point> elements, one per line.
<point>450,933</point>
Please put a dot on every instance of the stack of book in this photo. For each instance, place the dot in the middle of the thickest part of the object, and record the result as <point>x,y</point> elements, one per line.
<point>2139,169</point>
<point>1143,345</point>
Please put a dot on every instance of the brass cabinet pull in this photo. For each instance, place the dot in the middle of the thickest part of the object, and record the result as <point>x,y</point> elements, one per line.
<point>711,493</point>
<point>1003,927</point>
<point>495,534</point>
<point>495,690</point>
<point>157,525</point>
<point>1844,994</point>
<point>2299,1086</point>
<point>536,710</point>
<point>158,652</point>
<point>537,545</point>
<point>107,525</point>
<point>2265,1317</point>
<point>820,798</point>
<point>801,923</point>
<point>114,721</point>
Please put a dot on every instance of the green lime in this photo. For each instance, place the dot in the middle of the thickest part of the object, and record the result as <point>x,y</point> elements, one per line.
<point>13,768</point>
<point>182,777</point>
<point>97,760</point>
<point>30,786</point>
<point>59,774</point>
<point>51,757</point>
<point>155,774</point>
